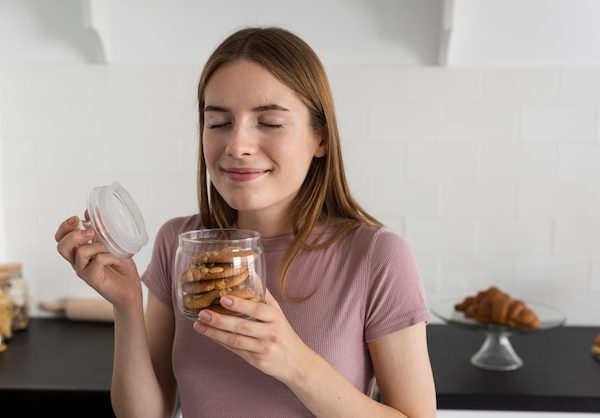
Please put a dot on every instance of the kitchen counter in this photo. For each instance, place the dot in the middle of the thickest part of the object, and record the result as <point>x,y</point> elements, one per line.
<point>63,368</point>
<point>58,368</point>
<point>559,373</point>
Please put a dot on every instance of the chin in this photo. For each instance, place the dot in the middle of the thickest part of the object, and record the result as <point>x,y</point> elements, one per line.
<point>243,204</point>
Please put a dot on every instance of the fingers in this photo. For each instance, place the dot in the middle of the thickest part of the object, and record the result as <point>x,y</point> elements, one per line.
<point>259,311</point>
<point>95,268</point>
<point>231,332</point>
<point>236,325</point>
<point>85,253</point>
<point>70,242</point>
<point>236,342</point>
<point>95,272</point>
<point>66,227</point>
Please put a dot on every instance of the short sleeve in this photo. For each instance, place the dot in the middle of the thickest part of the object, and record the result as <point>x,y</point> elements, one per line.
<point>157,276</point>
<point>395,298</point>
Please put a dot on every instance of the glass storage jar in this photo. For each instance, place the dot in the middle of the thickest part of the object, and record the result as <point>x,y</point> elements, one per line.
<point>116,220</point>
<point>211,263</point>
<point>17,289</point>
<point>5,313</point>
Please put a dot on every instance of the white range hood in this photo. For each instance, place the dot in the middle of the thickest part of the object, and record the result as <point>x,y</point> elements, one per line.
<point>405,32</point>
<point>521,33</point>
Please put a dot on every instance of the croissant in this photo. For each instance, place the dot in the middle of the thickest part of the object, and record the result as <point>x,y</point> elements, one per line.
<point>496,307</point>
<point>596,347</point>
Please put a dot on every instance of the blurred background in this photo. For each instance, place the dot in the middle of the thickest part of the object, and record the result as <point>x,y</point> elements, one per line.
<point>471,127</point>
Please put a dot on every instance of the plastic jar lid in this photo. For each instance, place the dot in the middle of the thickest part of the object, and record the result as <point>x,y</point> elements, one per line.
<point>116,219</point>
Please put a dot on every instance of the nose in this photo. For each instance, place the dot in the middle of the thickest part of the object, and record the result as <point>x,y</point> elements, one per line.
<point>241,142</point>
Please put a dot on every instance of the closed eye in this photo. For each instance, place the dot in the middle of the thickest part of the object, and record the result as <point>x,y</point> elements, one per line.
<point>270,125</point>
<point>218,125</point>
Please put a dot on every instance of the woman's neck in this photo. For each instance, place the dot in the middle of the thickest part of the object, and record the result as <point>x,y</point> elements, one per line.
<point>267,226</point>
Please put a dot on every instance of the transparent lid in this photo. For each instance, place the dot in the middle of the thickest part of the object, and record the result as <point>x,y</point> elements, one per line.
<point>117,220</point>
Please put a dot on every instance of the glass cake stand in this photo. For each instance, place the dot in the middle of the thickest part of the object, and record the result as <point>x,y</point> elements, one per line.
<point>497,353</point>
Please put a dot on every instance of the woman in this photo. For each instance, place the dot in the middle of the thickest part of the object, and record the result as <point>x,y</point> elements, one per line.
<point>344,304</point>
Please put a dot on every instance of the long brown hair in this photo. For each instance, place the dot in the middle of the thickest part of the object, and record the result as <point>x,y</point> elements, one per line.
<point>324,195</point>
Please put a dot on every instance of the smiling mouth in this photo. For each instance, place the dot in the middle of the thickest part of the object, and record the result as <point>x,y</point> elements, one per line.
<point>243,174</point>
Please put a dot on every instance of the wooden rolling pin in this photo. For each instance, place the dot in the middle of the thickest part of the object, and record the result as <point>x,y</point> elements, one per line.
<point>80,309</point>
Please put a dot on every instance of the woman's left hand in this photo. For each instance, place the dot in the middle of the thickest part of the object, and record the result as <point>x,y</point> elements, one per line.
<point>269,343</point>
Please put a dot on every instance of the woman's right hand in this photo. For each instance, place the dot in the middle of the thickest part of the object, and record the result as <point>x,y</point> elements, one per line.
<point>116,279</point>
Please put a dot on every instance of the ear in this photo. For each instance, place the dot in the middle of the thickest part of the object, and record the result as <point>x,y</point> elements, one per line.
<point>321,149</point>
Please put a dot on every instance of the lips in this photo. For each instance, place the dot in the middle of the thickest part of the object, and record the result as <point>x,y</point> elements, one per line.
<point>244,174</point>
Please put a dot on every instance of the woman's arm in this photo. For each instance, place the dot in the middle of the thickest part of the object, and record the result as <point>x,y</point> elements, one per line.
<point>143,382</point>
<point>272,346</point>
<point>403,374</point>
<point>403,371</point>
<point>160,328</point>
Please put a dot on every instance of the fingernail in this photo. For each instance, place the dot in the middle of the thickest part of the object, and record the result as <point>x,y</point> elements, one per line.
<point>72,220</point>
<point>204,316</point>
<point>226,301</point>
<point>88,233</point>
<point>199,327</point>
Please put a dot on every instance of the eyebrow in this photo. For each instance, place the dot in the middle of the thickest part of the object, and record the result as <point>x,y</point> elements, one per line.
<point>263,108</point>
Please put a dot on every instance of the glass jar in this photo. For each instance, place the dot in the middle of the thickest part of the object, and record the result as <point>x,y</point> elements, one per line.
<point>5,312</point>
<point>116,220</point>
<point>17,289</point>
<point>212,263</point>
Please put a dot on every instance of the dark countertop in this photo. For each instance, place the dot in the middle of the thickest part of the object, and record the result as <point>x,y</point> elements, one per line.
<point>59,368</point>
<point>63,368</point>
<point>559,373</point>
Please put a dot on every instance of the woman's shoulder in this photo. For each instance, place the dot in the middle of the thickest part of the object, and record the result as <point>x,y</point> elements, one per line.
<point>378,240</point>
<point>373,233</point>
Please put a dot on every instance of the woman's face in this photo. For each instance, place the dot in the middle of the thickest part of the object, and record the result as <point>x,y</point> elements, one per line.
<point>258,141</point>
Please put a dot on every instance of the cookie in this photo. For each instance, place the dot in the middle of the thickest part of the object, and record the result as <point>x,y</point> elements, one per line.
<point>213,271</point>
<point>227,255</point>
<point>201,286</point>
<point>203,300</point>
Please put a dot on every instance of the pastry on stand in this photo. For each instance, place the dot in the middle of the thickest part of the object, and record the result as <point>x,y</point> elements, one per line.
<point>596,348</point>
<point>493,306</point>
<point>500,316</point>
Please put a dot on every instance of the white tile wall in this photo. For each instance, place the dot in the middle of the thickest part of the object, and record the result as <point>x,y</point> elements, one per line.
<point>435,161</point>
<point>476,123</point>
<point>491,174</point>
<point>518,162</point>
<point>515,236</point>
<point>564,124</point>
<point>474,199</point>
<point>579,164</point>
<point>522,85</point>
<point>580,85</point>
<point>554,199</point>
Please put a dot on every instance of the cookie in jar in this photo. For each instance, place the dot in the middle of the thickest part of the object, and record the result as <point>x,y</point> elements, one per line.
<point>213,263</point>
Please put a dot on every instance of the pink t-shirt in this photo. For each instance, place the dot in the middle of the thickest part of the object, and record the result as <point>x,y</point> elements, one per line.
<point>368,287</point>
